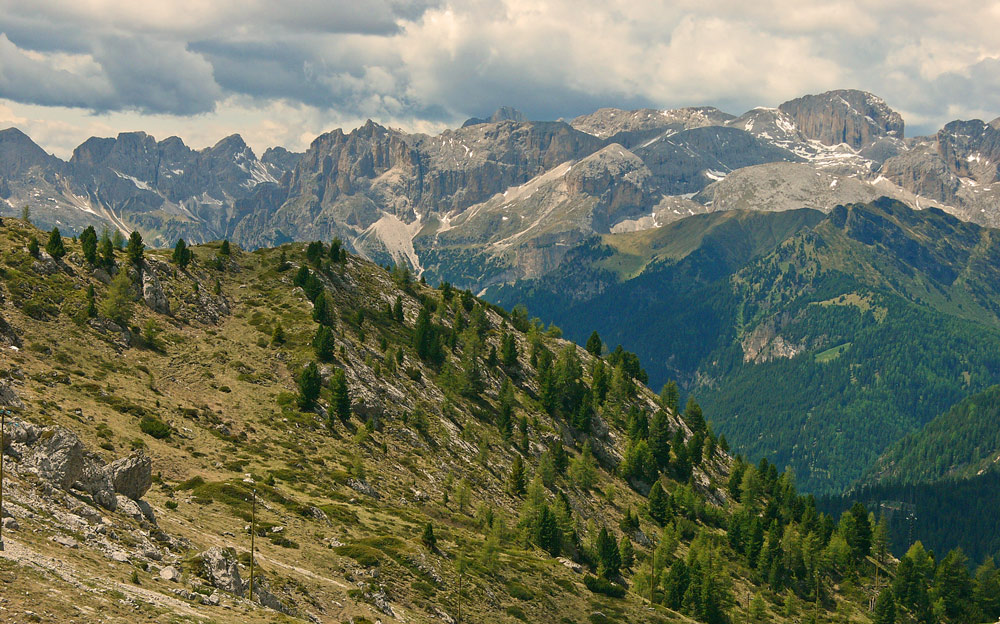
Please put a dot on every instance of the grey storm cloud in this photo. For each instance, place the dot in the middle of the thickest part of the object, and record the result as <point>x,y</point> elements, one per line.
<point>439,61</point>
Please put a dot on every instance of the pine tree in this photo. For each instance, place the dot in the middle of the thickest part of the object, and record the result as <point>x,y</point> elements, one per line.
<point>54,247</point>
<point>397,309</point>
<point>91,303</point>
<point>675,585</point>
<point>323,310</point>
<point>608,557</point>
<point>106,249</point>
<point>309,382</point>
<point>659,504</point>
<point>693,416</point>
<point>182,254</point>
<point>583,469</point>
<point>627,552</point>
<point>134,252</point>
<point>516,483</point>
<point>547,531</point>
<point>335,247</point>
<point>339,395</point>
<point>224,248</point>
<point>117,304</point>
<point>594,346</point>
<point>323,343</point>
<point>278,334</point>
<point>505,416</point>
<point>88,241</point>
<point>33,246</point>
<point>885,608</point>
<point>670,396</point>
<point>659,439</point>
<point>427,537</point>
<point>681,464</point>
<point>599,381</point>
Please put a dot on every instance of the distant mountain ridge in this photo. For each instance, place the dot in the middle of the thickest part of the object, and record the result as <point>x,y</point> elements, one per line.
<point>400,197</point>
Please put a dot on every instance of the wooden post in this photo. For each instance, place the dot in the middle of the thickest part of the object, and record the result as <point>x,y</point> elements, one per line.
<point>3,423</point>
<point>253,531</point>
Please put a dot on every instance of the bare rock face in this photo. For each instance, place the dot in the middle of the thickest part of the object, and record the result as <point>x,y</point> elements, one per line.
<point>152,291</point>
<point>9,398</point>
<point>131,476</point>
<point>219,567</point>
<point>846,116</point>
<point>58,456</point>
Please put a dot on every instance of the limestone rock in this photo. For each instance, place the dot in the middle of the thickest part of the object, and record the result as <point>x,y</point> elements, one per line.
<point>170,573</point>
<point>131,476</point>
<point>68,542</point>
<point>152,291</point>
<point>10,524</point>
<point>262,593</point>
<point>9,398</point>
<point>844,116</point>
<point>219,567</point>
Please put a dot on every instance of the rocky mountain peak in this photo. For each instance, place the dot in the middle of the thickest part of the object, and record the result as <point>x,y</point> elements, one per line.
<point>849,116</point>
<point>504,113</point>
<point>971,149</point>
<point>608,122</point>
<point>19,153</point>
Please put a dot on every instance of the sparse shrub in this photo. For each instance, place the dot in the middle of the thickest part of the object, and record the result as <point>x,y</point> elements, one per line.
<point>153,426</point>
<point>603,586</point>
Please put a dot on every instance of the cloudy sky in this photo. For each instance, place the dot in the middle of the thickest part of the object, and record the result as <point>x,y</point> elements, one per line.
<point>280,73</point>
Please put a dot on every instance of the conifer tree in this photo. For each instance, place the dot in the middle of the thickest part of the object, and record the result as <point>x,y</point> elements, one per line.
<point>627,552</point>
<point>54,247</point>
<point>659,503</point>
<point>323,343</point>
<point>33,246</point>
<point>117,304</point>
<point>278,334</point>
<point>323,310</point>
<point>659,439</point>
<point>516,483</point>
<point>339,395</point>
<point>91,304</point>
<point>608,557</point>
<point>427,537</point>
<point>547,531</point>
<point>182,254</point>
<point>309,382</point>
<point>670,396</point>
<point>505,416</point>
<point>397,309</point>
<point>106,249</point>
<point>885,608</point>
<point>583,468</point>
<point>224,248</point>
<point>134,252</point>
<point>693,416</point>
<point>88,241</point>
<point>594,345</point>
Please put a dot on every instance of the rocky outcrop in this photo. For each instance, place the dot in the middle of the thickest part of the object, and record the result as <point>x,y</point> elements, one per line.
<point>131,476</point>
<point>846,116</point>
<point>609,122</point>
<point>220,568</point>
<point>9,398</point>
<point>57,456</point>
<point>764,344</point>
<point>152,290</point>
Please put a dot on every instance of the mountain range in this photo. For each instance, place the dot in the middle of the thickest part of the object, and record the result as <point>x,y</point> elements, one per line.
<point>501,198</point>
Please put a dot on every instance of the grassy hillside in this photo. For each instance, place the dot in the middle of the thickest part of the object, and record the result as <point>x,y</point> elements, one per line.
<point>440,411</point>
